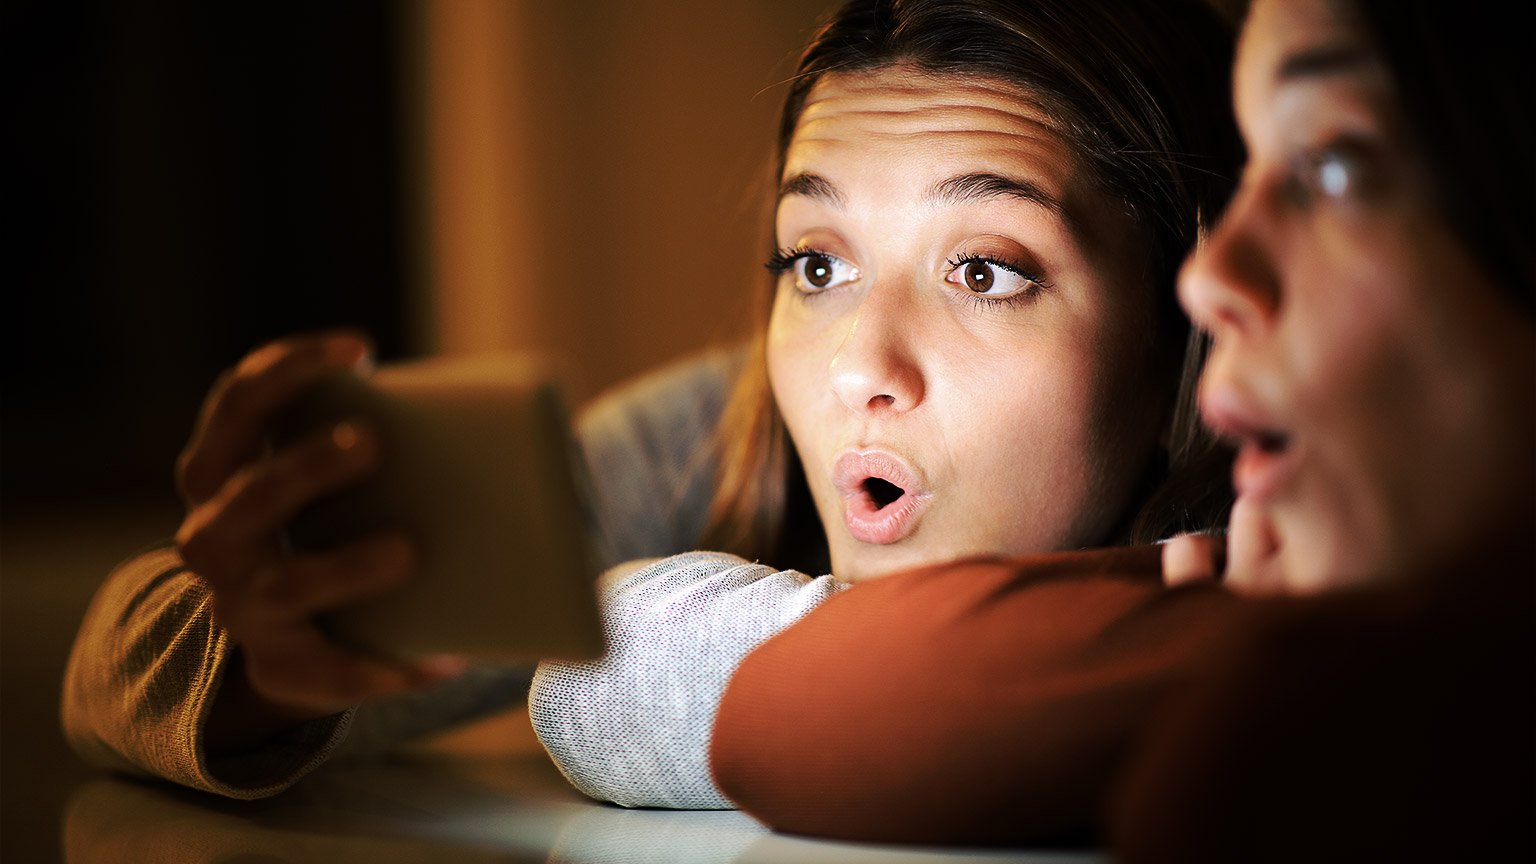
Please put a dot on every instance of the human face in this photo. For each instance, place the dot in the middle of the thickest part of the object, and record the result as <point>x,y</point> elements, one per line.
<point>1379,388</point>
<point>960,343</point>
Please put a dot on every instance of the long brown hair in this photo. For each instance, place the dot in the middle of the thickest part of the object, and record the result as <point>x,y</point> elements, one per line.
<point>1140,91</point>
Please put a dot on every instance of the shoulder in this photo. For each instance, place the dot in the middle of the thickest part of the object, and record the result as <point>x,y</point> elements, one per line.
<point>689,391</point>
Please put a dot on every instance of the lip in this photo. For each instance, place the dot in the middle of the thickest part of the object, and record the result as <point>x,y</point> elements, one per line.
<point>866,522</point>
<point>1266,455</point>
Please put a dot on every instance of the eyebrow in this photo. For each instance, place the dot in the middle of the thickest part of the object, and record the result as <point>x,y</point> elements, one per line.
<point>813,186</point>
<point>1322,62</point>
<point>959,189</point>
<point>982,186</point>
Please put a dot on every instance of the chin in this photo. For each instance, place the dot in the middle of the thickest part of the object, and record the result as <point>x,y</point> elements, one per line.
<point>868,564</point>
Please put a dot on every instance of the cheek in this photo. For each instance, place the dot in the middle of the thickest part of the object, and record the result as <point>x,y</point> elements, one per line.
<point>796,367</point>
<point>1040,439</point>
<point>1110,412</point>
<point>1372,364</point>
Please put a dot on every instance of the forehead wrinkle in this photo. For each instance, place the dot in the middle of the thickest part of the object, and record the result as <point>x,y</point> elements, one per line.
<point>927,118</point>
<point>996,144</point>
<point>1002,127</point>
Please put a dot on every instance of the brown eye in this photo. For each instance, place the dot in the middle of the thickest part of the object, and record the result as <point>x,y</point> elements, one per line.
<point>977,276</point>
<point>815,272</point>
<point>810,270</point>
<point>818,270</point>
<point>993,280</point>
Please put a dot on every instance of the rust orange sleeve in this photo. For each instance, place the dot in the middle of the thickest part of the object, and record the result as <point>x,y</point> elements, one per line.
<point>981,702</point>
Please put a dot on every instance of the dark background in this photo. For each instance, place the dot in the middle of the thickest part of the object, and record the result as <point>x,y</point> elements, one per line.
<point>186,181</point>
<point>183,181</point>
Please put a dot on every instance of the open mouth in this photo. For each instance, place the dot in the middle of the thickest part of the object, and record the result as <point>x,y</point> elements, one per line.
<point>1265,455</point>
<point>1269,442</point>
<point>882,493</point>
<point>883,497</point>
<point>1263,459</point>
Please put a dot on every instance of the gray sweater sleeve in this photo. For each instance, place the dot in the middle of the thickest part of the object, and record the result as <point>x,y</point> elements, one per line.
<point>633,728</point>
<point>649,450</point>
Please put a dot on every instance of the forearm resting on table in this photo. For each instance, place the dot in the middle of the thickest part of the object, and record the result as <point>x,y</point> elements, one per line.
<point>980,702</point>
<point>633,727</point>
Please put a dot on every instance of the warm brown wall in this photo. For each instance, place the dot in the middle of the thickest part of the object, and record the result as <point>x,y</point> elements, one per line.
<point>592,173</point>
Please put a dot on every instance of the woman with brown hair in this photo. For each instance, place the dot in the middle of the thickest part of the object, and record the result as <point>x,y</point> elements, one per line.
<point>973,348</point>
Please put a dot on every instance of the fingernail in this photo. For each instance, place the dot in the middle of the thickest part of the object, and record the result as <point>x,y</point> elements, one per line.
<point>345,436</point>
<point>364,364</point>
<point>353,352</point>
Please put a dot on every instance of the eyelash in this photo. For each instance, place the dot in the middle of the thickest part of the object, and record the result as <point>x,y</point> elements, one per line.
<point>784,258</point>
<point>1037,286</point>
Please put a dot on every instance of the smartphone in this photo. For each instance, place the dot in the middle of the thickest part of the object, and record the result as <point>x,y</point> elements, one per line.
<point>480,468</point>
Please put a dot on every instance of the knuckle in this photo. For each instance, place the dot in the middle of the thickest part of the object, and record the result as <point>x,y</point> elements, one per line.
<point>291,360</point>
<point>217,391</point>
<point>320,463</point>
<point>257,490</point>
<point>196,544</point>
<point>228,615</point>
<point>353,565</point>
<point>284,592</point>
<point>311,460</point>
<point>269,588</point>
<point>379,562</point>
<point>262,358</point>
<point>190,476</point>
<point>238,401</point>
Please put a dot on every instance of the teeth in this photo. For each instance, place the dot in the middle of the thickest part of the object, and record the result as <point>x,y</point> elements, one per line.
<point>883,492</point>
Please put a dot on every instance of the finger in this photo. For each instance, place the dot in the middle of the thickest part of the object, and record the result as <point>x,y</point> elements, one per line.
<point>241,522</point>
<point>298,666</point>
<point>240,406</point>
<point>297,588</point>
<point>1252,546</point>
<point>1189,558</point>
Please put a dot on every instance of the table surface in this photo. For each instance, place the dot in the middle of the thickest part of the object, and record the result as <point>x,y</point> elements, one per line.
<point>484,795</point>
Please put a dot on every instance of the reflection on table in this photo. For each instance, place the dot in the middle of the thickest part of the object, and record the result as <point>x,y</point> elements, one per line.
<point>444,807</point>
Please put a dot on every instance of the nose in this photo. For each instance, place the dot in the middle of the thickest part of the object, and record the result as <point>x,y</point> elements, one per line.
<point>876,368</point>
<point>1230,283</point>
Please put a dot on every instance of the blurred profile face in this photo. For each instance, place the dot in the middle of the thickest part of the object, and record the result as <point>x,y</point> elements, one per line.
<point>959,344</point>
<point>1379,388</point>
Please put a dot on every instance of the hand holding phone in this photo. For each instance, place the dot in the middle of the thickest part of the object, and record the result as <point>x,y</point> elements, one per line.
<point>479,469</point>
<point>239,494</point>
